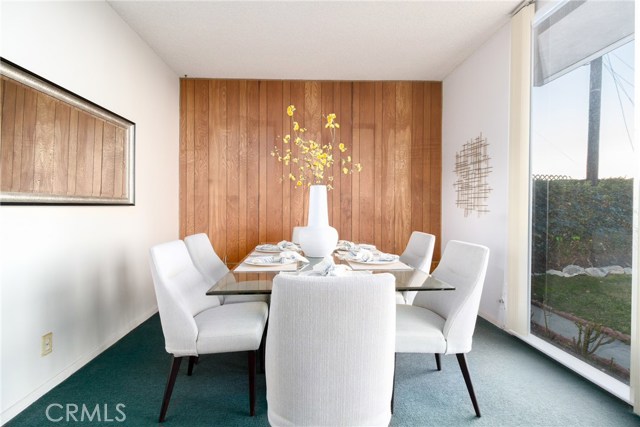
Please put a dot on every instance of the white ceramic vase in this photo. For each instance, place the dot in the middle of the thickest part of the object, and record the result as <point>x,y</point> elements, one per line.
<point>318,239</point>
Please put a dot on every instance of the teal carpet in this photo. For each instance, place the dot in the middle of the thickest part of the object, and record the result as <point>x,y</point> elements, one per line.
<point>515,385</point>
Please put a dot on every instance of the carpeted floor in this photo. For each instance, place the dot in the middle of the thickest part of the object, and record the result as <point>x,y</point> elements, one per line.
<point>515,385</point>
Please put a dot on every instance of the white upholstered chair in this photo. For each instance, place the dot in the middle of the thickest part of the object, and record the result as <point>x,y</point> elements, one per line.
<point>417,254</point>
<point>330,350</point>
<point>212,268</point>
<point>443,322</point>
<point>194,323</point>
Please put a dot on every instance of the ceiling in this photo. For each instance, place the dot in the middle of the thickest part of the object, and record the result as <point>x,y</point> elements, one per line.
<point>315,40</point>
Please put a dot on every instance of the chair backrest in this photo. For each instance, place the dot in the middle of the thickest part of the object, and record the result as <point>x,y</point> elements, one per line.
<point>463,265</point>
<point>295,234</point>
<point>418,254</point>
<point>419,251</point>
<point>330,350</point>
<point>181,294</point>
<point>205,258</point>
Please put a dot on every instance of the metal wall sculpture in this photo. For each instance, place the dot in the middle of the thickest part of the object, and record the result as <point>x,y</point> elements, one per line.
<point>472,169</point>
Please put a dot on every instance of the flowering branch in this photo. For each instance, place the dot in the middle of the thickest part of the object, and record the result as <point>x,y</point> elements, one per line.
<point>313,160</point>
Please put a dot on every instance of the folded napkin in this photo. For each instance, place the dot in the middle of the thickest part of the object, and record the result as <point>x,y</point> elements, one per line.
<point>288,246</point>
<point>291,256</point>
<point>327,267</point>
<point>345,245</point>
<point>365,255</point>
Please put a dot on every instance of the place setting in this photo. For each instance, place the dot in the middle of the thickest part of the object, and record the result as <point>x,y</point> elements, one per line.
<point>283,256</point>
<point>367,257</point>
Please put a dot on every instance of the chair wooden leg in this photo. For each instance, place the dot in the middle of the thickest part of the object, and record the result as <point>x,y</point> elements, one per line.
<point>438,365</point>
<point>393,387</point>
<point>193,360</point>
<point>175,367</point>
<point>252,382</point>
<point>462,361</point>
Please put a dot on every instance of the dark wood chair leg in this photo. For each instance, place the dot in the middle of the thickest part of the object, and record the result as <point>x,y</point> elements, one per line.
<point>252,382</point>
<point>438,365</point>
<point>175,367</point>
<point>462,361</point>
<point>393,389</point>
<point>193,360</point>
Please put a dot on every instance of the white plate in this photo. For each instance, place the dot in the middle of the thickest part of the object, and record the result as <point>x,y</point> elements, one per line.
<point>270,249</point>
<point>374,262</point>
<point>251,261</point>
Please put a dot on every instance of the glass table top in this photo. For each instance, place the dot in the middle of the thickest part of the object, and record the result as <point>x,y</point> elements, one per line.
<point>239,283</point>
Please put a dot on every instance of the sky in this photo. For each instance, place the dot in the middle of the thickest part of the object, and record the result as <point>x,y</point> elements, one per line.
<point>559,121</point>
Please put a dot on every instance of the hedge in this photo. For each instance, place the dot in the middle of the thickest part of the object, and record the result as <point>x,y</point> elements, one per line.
<point>575,222</point>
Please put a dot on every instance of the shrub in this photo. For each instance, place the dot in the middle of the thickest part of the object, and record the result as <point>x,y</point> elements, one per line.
<point>577,223</point>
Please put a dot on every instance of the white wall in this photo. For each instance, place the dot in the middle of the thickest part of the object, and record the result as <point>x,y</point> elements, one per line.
<point>82,272</point>
<point>476,100</point>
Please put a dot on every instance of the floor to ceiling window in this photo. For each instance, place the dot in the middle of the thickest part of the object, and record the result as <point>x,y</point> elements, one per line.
<point>583,162</point>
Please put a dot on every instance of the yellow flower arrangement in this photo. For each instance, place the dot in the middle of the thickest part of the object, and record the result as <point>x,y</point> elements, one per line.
<point>313,160</point>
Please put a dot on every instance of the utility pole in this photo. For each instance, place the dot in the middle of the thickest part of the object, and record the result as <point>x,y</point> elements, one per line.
<point>593,138</point>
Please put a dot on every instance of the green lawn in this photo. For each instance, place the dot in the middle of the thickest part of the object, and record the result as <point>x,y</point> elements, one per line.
<point>605,300</point>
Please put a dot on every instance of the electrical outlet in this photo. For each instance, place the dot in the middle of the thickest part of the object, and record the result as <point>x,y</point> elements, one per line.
<point>47,343</point>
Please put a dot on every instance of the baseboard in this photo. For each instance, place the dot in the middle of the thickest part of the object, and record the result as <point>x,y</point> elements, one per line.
<point>36,394</point>
<point>491,319</point>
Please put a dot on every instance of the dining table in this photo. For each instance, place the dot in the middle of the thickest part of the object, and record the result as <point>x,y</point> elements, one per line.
<point>246,278</point>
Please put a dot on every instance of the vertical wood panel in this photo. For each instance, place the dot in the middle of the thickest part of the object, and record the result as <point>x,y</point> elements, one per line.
<point>6,144</point>
<point>327,107</point>
<point>120,170</point>
<point>387,168</point>
<point>61,149</point>
<point>346,136</point>
<point>286,169</point>
<point>190,156</point>
<point>201,157</point>
<point>274,168</point>
<point>108,159</point>
<point>28,140</point>
<point>392,128</point>
<point>355,148</point>
<point>380,204</point>
<point>242,169</point>
<point>297,210</point>
<point>43,167</point>
<point>217,166</point>
<point>253,163</point>
<point>97,158</point>
<point>233,170</point>
<point>17,139</point>
<point>417,142</point>
<point>367,153</point>
<point>402,164</point>
<point>337,177</point>
<point>435,164</point>
<point>265,149</point>
<point>73,153</point>
<point>426,196</point>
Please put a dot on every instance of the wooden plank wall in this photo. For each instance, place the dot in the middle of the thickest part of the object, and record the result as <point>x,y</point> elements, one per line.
<point>49,147</point>
<point>232,189</point>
